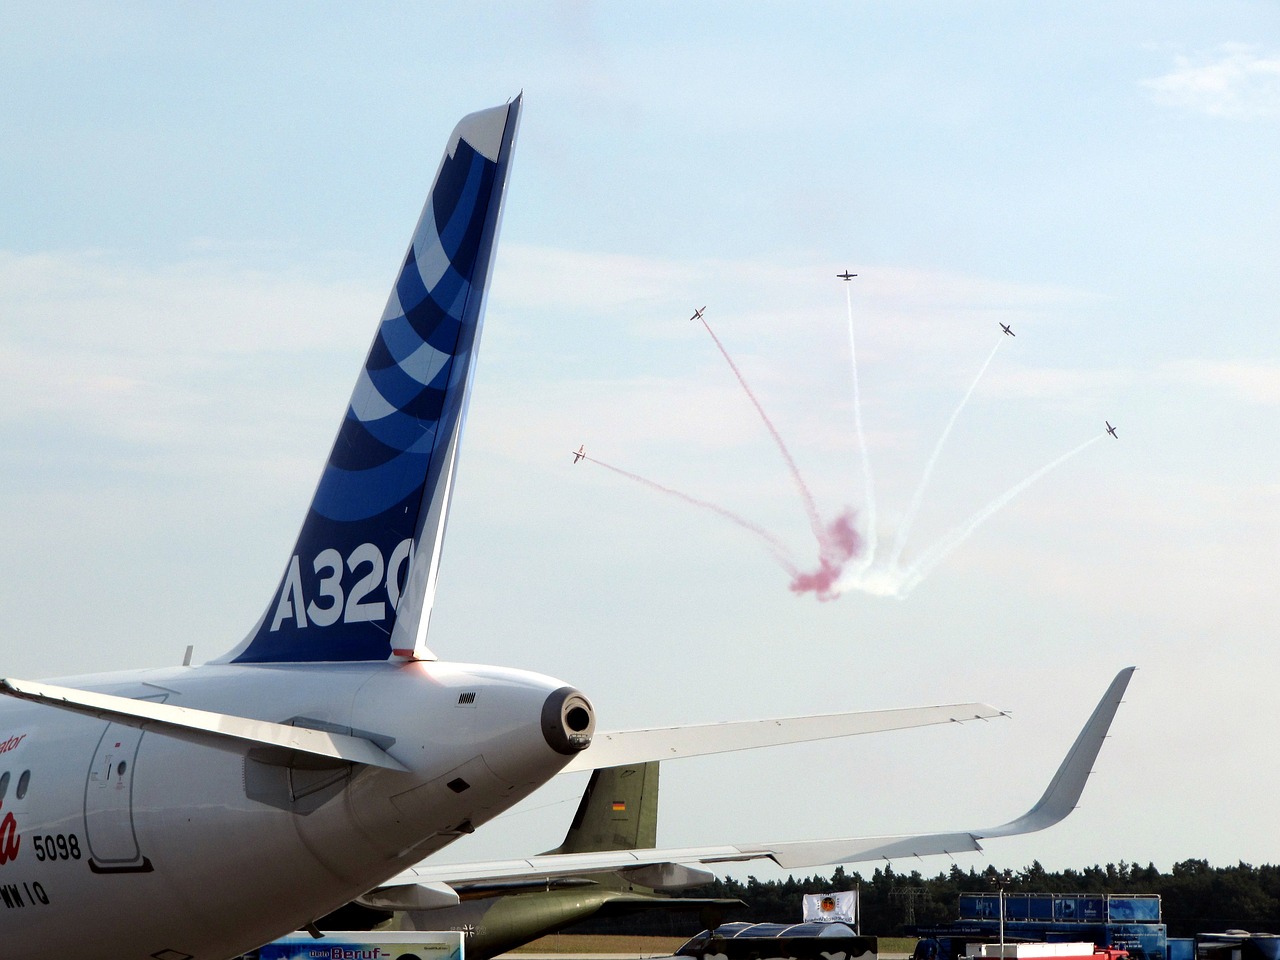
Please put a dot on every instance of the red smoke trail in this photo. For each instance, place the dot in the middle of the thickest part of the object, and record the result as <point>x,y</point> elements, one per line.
<point>838,542</point>
<point>837,545</point>
<point>809,507</point>
<point>815,522</point>
<point>776,547</point>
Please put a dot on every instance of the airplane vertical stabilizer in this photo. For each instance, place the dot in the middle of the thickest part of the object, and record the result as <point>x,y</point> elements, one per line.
<point>361,579</point>
<point>618,811</point>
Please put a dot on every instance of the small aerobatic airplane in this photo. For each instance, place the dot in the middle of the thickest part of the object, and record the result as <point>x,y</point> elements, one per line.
<point>1005,328</point>
<point>580,453</point>
<point>846,275</point>
<point>697,314</point>
<point>1111,430</point>
<point>201,811</point>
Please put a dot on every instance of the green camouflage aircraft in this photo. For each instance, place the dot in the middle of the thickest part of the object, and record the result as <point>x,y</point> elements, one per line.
<point>618,811</point>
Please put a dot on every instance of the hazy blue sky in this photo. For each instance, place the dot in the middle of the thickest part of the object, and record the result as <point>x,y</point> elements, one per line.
<point>202,208</point>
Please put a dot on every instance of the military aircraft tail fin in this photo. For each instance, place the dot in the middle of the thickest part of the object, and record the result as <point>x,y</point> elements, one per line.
<point>618,811</point>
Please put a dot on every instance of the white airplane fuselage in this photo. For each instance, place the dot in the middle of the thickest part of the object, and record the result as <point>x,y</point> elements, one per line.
<point>114,821</point>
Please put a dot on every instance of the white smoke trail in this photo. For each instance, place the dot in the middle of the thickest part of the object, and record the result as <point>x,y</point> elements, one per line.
<point>869,549</point>
<point>939,551</point>
<point>875,581</point>
<point>904,531</point>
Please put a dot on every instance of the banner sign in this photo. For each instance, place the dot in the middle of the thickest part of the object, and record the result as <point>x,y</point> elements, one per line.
<point>366,945</point>
<point>823,907</point>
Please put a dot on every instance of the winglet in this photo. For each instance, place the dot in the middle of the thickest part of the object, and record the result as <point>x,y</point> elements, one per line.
<point>1063,792</point>
<point>1058,800</point>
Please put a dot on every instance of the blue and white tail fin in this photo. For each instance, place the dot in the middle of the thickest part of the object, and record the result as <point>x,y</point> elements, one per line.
<point>361,580</point>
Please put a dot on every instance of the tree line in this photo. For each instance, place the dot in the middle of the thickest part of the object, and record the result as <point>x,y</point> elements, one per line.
<point>1195,897</point>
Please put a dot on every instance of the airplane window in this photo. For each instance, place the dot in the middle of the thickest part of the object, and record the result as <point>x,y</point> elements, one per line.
<point>120,768</point>
<point>4,783</point>
<point>23,782</point>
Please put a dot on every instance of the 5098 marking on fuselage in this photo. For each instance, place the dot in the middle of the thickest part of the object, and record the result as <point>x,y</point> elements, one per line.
<point>329,602</point>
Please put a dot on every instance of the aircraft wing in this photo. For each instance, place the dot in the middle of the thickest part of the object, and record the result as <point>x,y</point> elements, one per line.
<point>218,730</point>
<point>1058,800</point>
<point>670,743</point>
<point>789,854</point>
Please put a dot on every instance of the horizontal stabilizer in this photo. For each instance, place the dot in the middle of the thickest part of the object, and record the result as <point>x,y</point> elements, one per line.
<point>670,743</point>
<point>1058,800</point>
<point>219,730</point>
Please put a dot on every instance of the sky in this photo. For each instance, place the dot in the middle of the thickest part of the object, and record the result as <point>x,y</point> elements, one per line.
<point>202,209</point>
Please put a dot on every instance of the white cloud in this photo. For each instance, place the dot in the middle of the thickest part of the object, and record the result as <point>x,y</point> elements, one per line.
<point>1233,80</point>
<point>546,277</point>
<point>1247,381</point>
<point>185,359</point>
<point>1251,382</point>
<point>98,301</point>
